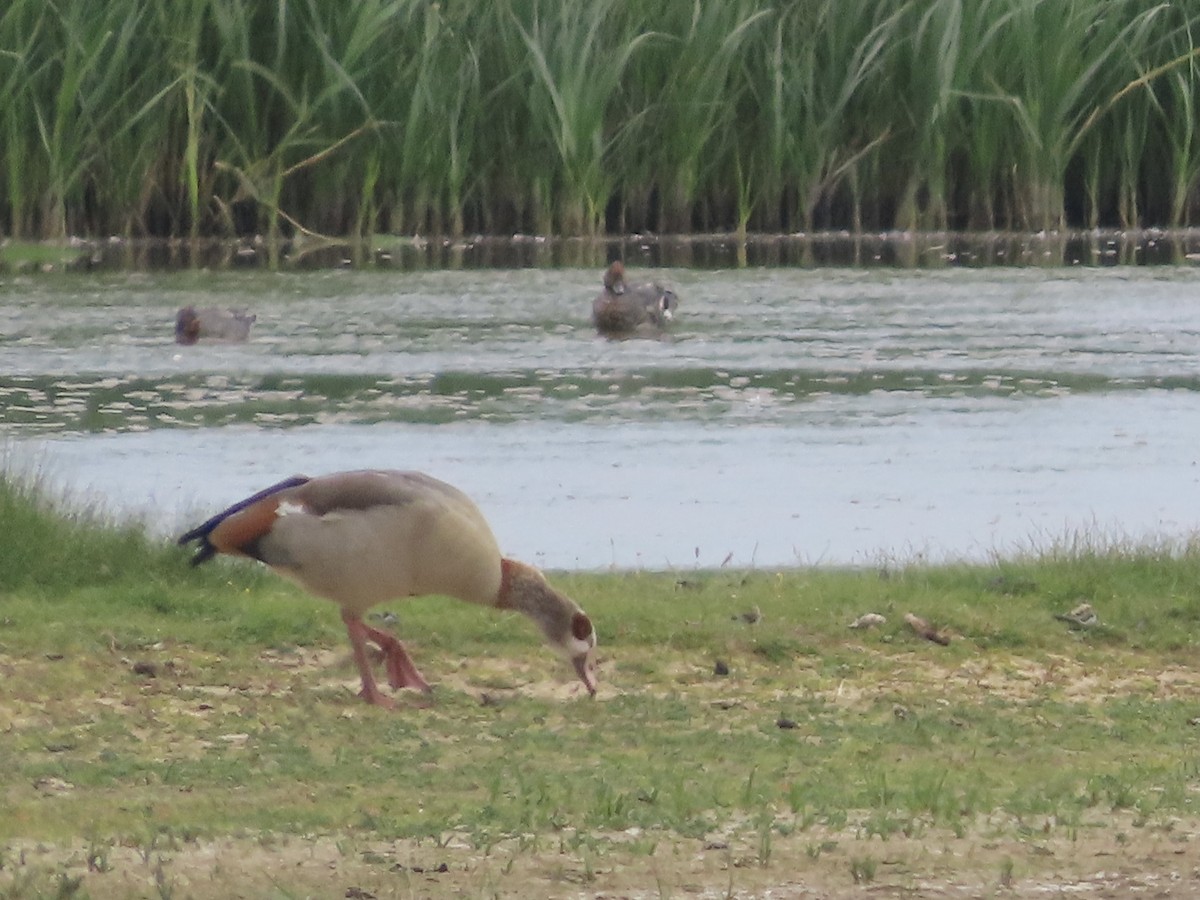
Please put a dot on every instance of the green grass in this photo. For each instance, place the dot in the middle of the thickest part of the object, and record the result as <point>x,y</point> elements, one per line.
<point>149,708</point>
<point>206,117</point>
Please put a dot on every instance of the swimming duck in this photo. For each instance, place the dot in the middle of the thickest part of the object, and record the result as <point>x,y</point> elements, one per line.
<point>623,310</point>
<point>365,537</point>
<point>211,323</point>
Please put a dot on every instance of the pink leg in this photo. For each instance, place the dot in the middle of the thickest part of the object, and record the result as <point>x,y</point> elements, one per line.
<point>358,635</point>
<point>402,672</point>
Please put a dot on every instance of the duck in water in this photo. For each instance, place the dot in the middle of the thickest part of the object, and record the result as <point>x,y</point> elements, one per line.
<point>632,310</point>
<point>211,323</point>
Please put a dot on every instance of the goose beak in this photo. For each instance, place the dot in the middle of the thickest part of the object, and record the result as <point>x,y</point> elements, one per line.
<point>583,667</point>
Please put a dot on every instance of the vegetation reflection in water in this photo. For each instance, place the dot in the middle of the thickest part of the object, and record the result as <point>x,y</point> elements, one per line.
<point>415,253</point>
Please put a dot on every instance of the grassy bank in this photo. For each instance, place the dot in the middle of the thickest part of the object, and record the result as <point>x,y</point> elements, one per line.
<point>209,117</point>
<point>169,731</point>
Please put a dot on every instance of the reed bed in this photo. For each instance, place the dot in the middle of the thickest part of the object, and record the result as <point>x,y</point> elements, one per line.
<point>219,117</point>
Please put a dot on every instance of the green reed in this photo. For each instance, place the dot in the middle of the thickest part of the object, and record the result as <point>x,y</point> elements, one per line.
<point>1174,104</point>
<point>401,116</point>
<point>575,67</point>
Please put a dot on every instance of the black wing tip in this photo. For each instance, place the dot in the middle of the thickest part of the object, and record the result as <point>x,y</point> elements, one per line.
<point>204,550</point>
<point>204,553</point>
<point>191,535</point>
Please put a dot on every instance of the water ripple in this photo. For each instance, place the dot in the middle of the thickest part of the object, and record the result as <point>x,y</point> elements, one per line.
<point>111,404</point>
<point>793,414</point>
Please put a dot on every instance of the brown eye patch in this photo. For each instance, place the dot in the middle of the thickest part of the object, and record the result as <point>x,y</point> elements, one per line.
<point>581,626</point>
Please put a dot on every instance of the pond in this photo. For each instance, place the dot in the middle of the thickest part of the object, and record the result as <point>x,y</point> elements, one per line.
<point>795,416</point>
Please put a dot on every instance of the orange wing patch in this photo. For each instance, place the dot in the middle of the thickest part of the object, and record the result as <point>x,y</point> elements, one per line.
<point>239,532</point>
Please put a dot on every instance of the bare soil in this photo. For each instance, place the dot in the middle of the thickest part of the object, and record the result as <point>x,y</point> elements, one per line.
<point>1110,856</point>
<point>1161,864</point>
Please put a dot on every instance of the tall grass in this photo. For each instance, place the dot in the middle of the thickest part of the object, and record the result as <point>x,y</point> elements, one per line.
<point>48,546</point>
<point>54,544</point>
<point>562,116</point>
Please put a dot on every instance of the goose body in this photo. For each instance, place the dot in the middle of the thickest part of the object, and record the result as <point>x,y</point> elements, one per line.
<point>625,310</point>
<point>211,323</point>
<point>366,537</point>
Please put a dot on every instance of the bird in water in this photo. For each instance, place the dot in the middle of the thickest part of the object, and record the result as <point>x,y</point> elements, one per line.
<point>211,323</point>
<point>630,310</point>
<point>366,537</point>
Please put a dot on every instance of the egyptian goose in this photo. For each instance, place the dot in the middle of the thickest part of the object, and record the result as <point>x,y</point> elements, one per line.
<point>211,323</point>
<point>361,538</point>
<point>623,310</point>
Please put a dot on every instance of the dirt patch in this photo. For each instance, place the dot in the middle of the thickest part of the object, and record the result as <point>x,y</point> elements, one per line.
<point>489,678</point>
<point>1161,863</point>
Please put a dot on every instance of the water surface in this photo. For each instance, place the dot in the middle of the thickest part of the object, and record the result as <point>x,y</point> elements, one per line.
<point>795,416</point>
